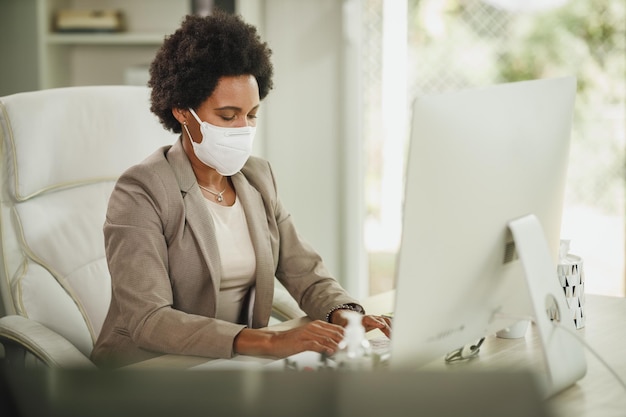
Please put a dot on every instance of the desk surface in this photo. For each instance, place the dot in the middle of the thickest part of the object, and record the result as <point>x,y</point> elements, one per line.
<point>596,394</point>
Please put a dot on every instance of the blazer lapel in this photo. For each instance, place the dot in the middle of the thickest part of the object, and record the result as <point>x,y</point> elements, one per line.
<point>255,212</point>
<point>197,214</point>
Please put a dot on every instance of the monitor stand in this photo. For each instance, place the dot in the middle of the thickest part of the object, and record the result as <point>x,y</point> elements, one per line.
<point>563,353</point>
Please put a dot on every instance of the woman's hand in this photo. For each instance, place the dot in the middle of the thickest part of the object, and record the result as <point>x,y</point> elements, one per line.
<point>316,336</point>
<point>369,322</point>
<point>377,322</point>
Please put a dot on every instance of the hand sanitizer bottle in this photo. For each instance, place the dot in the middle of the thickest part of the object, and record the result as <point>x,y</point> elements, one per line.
<point>354,351</point>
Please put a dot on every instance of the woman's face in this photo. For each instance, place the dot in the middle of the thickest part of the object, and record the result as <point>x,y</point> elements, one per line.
<point>234,103</point>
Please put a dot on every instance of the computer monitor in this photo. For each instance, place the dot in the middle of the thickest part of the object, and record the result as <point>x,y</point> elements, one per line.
<point>479,161</point>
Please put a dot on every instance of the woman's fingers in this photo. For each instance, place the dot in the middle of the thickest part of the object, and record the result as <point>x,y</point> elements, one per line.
<point>320,336</point>
<point>378,322</point>
<point>316,336</point>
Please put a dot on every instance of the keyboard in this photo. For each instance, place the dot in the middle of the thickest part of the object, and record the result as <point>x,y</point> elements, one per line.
<point>380,345</point>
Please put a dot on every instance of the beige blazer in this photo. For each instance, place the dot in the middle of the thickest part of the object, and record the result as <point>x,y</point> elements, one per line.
<point>165,268</point>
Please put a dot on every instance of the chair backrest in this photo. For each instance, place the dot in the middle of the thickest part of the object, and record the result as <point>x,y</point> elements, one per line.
<point>61,153</point>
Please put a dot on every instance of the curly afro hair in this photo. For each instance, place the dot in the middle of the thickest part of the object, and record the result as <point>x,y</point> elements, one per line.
<point>187,67</point>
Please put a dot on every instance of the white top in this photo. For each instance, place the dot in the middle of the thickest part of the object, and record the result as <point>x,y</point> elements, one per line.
<point>237,257</point>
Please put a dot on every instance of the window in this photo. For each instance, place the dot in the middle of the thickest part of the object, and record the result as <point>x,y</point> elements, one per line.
<point>455,44</point>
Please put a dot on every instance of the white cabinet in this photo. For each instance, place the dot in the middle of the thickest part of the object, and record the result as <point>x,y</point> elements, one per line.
<point>67,59</point>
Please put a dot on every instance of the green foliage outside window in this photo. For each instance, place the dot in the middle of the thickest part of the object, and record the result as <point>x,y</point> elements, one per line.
<point>464,43</point>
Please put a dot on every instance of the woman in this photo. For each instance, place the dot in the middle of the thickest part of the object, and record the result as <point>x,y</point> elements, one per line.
<point>196,233</point>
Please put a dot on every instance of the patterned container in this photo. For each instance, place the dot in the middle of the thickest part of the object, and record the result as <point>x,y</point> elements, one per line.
<point>572,279</point>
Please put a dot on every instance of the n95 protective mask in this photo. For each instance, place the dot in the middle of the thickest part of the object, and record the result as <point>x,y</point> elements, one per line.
<point>225,149</point>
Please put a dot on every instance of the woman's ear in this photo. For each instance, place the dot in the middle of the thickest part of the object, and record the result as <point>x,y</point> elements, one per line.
<point>180,115</point>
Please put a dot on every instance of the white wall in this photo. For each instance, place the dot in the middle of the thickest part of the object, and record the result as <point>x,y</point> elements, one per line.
<point>310,127</point>
<point>309,124</point>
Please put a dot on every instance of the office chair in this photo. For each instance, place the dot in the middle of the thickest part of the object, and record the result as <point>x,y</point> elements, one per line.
<point>61,153</point>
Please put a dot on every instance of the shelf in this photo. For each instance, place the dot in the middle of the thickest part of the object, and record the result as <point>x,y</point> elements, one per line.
<point>105,38</point>
<point>96,58</point>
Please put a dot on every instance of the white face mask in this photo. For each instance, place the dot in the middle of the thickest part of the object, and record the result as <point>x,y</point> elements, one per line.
<point>223,148</point>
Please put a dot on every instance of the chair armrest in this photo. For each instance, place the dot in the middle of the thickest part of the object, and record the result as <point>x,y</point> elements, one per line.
<point>50,347</point>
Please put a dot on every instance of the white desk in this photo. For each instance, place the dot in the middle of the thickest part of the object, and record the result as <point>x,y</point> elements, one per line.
<point>597,394</point>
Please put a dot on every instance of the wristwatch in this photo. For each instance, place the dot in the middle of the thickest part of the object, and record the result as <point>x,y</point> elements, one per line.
<point>349,306</point>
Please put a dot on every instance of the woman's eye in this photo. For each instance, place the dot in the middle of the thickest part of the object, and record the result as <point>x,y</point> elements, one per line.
<point>252,116</point>
<point>228,118</point>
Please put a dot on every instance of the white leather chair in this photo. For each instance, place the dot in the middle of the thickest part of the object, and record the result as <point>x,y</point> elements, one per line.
<point>62,150</point>
<point>61,153</point>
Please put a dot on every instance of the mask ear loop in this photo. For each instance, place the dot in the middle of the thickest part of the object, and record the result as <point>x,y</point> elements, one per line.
<point>195,116</point>
<point>188,132</point>
<point>468,351</point>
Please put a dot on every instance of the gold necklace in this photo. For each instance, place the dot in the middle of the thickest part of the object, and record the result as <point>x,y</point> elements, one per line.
<point>219,196</point>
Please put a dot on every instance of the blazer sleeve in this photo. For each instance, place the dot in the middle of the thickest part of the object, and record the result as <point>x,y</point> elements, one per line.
<point>300,268</point>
